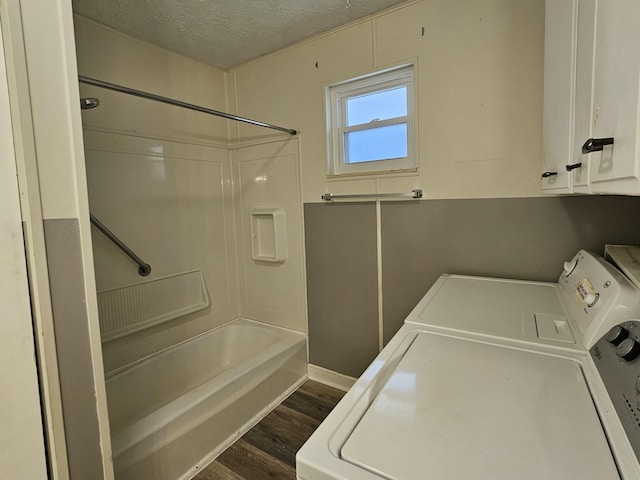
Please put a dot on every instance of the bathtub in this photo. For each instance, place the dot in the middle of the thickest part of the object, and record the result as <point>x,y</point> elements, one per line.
<point>175,411</point>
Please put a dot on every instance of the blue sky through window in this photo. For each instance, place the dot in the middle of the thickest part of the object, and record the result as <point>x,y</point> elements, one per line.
<point>381,143</point>
<point>381,105</point>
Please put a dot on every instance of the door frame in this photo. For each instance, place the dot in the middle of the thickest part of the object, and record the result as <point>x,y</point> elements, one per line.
<point>39,48</point>
<point>23,454</point>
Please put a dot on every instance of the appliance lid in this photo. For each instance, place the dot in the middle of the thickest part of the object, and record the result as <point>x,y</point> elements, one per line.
<point>455,408</point>
<point>504,308</point>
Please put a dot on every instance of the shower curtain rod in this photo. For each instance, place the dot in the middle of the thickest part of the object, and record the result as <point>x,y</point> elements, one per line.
<point>178,103</point>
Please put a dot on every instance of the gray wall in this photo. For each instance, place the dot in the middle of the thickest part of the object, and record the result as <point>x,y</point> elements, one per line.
<point>342,285</point>
<point>525,238</point>
<point>82,431</point>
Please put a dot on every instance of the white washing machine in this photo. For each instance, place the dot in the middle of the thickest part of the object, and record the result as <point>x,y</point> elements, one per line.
<point>495,379</point>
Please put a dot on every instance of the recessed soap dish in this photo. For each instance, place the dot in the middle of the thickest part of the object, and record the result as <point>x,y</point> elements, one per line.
<point>268,235</point>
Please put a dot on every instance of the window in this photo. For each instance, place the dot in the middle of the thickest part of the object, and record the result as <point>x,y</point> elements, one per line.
<point>370,123</point>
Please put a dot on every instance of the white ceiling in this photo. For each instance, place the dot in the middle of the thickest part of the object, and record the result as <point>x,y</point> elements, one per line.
<point>225,33</point>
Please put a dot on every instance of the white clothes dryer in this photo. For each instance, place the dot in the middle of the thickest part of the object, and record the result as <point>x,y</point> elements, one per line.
<point>497,379</point>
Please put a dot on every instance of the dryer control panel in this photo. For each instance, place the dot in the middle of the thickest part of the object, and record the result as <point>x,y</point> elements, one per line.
<point>597,295</point>
<point>617,358</point>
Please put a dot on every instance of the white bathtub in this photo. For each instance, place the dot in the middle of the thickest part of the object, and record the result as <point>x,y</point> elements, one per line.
<point>173,412</point>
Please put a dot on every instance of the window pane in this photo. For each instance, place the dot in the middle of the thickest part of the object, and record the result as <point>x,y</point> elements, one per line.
<point>381,105</point>
<point>382,143</point>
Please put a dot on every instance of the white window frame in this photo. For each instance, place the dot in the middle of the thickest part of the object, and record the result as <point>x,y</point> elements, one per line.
<point>337,96</point>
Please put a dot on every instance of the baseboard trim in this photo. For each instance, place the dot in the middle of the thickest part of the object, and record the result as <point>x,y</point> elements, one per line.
<point>330,378</point>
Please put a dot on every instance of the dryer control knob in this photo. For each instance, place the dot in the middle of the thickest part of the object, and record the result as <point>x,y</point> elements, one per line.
<point>616,335</point>
<point>628,349</point>
<point>591,298</point>
<point>569,267</point>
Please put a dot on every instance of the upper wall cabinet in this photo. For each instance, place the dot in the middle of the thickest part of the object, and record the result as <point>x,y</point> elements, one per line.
<point>591,100</point>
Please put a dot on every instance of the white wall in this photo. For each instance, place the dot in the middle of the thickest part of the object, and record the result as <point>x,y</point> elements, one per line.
<point>479,84</point>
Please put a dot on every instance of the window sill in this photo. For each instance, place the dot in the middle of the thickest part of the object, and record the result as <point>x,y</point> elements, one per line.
<point>401,172</point>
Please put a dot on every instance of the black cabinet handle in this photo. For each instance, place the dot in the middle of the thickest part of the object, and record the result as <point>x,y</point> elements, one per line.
<point>549,174</point>
<point>596,144</point>
<point>573,167</point>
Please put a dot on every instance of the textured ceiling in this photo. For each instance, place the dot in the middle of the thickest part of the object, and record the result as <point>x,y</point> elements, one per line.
<point>225,33</point>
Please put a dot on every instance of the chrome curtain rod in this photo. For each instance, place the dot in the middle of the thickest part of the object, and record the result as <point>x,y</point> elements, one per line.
<point>178,103</point>
<point>413,194</point>
<point>144,269</point>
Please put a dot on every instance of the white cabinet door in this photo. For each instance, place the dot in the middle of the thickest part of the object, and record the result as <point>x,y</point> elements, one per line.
<point>559,94</point>
<point>22,451</point>
<point>616,88</point>
<point>583,109</point>
<point>592,91</point>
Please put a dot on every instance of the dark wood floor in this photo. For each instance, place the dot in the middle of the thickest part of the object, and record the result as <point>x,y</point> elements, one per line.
<point>268,450</point>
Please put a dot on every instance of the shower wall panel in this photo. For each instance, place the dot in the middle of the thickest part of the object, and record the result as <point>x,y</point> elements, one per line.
<point>266,177</point>
<point>159,178</point>
<point>170,203</point>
